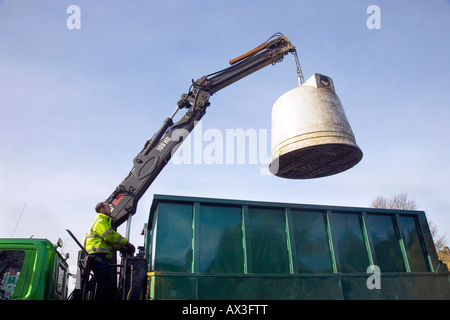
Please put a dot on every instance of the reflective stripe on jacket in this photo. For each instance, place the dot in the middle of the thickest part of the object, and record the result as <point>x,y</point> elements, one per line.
<point>102,237</point>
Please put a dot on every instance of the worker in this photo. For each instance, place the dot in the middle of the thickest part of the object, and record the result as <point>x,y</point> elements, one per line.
<point>100,243</point>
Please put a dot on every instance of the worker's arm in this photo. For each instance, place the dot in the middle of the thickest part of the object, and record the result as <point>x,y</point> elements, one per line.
<point>104,230</point>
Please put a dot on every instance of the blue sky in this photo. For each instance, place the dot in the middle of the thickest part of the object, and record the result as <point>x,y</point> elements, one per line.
<point>78,105</point>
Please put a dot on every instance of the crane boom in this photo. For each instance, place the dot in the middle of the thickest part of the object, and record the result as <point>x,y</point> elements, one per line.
<point>158,151</point>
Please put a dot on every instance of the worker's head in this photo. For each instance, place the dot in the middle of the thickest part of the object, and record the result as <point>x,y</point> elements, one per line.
<point>103,207</point>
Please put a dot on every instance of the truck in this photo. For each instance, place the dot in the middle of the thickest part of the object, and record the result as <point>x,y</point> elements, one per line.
<point>32,269</point>
<point>172,265</point>
<point>253,251</point>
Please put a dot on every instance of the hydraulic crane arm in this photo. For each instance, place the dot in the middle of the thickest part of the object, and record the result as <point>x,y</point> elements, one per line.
<point>158,151</point>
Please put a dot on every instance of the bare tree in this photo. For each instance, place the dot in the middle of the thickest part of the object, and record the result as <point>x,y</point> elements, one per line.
<point>439,240</point>
<point>400,201</point>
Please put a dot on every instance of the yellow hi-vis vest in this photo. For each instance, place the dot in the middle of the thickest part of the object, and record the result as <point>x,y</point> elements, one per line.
<point>102,238</point>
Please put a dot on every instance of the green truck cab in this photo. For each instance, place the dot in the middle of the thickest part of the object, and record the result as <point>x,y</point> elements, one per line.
<point>32,269</point>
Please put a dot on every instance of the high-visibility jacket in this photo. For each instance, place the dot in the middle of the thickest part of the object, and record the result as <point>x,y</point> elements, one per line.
<point>102,238</point>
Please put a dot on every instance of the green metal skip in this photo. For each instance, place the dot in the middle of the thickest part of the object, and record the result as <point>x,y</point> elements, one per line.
<point>201,248</point>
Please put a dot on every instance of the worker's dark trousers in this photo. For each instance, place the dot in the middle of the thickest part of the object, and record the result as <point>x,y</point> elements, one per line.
<point>106,286</point>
